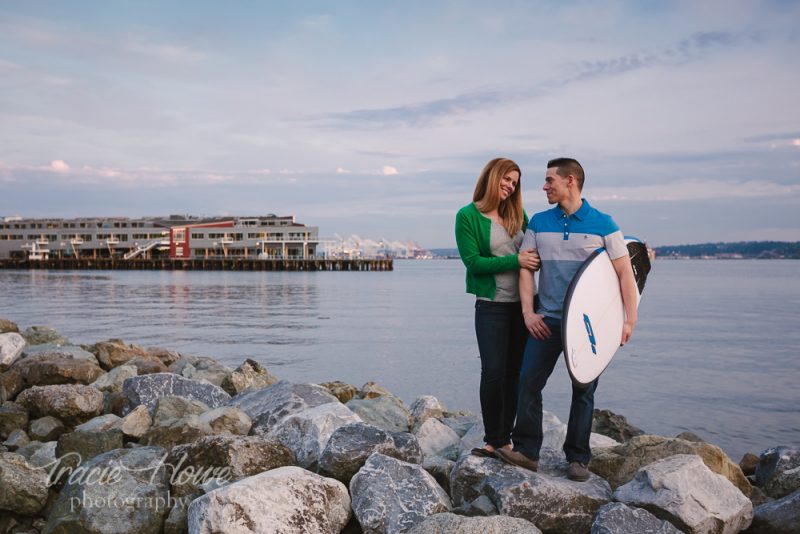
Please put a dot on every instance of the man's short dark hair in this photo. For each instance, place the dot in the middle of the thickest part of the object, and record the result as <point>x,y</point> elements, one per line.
<point>567,166</point>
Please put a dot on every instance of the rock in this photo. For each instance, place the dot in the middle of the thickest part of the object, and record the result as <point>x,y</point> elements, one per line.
<point>16,439</point>
<point>349,447</point>
<point>170,409</point>
<point>11,347</point>
<point>342,391</point>
<point>72,403</point>
<point>11,383</point>
<point>12,417</point>
<point>436,438</point>
<point>147,365</point>
<point>135,424</point>
<point>777,517</point>
<point>424,408</point>
<point>248,376</point>
<point>619,464</point>
<point>115,352</point>
<point>39,454</point>
<point>406,448</point>
<point>115,402</point>
<point>618,518</point>
<point>8,326</point>
<point>133,499</point>
<point>201,368</point>
<point>24,486</point>
<point>480,507</point>
<point>614,426</point>
<point>461,423</point>
<point>40,335</point>
<point>748,464</point>
<point>113,380</point>
<point>46,428</point>
<point>307,433</point>
<point>447,523</point>
<point>99,423</point>
<point>176,521</point>
<point>185,430</point>
<point>286,500</point>
<point>601,441</point>
<point>684,491</point>
<point>440,469</point>
<point>371,390</point>
<point>75,448</point>
<point>778,471</point>
<point>229,458</point>
<point>384,411</point>
<point>228,420</point>
<point>64,352</point>
<point>148,389</point>
<point>390,495</point>
<point>167,357</point>
<point>690,436</point>
<point>267,406</point>
<point>49,369</point>
<point>471,439</point>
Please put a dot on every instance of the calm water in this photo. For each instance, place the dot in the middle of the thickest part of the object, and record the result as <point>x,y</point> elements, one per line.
<point>715,352</point>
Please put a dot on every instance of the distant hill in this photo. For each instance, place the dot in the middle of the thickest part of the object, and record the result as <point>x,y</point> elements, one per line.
<point>743,249</point>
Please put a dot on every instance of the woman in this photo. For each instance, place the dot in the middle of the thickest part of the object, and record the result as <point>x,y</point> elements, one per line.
<point>489,231</point>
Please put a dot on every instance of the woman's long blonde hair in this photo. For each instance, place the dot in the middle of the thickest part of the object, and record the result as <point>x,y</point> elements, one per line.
<point>487,194</point>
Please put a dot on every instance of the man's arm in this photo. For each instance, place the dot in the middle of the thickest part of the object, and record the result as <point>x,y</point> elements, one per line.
<point>627,284</point>
<point>533,322</point>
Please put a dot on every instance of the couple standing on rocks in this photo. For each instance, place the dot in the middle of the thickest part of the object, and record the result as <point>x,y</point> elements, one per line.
<point>519,339</point>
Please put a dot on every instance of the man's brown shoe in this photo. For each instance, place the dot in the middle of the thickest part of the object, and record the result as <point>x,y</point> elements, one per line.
<point>517,458</point>
<point>578,472</point>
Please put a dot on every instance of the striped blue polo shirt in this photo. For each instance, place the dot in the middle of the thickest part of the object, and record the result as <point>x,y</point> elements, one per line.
<point>564,242</point>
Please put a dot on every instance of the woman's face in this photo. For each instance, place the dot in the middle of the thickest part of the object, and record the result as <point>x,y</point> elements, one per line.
<point>508,184</point>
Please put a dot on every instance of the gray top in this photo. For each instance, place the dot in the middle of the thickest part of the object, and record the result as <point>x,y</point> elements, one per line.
<point>507,282</point>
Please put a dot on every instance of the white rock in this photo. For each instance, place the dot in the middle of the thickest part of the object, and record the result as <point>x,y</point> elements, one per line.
<point>11,347</point>
<point>437,439</point>
<point>100,423</point>
<point>286,500</point>
<point>689,495</point>
<point>424,408</point>
<point>113,380</point>
<point>135,424</point>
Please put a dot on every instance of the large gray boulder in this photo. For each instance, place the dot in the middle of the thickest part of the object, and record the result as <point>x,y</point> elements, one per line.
<point>134,500</point>
<point>46,428</point>
<point>619,464</point>
<point>11,347</point>
<point>461,422</point>
<point>777,517</point>
<point>391,496</point>
<point>39,454</point>
<point>201,368</point>
<point>437,439</point>
<point>287,500</point>
<point>40,335</point>
<point>24,486</point>
<point>267,406</point>
<point>778,471</point>
<point>72,403</point>
<point>619,518</point>
<point>307,433</point>
<point>447,523</point>
<point>424,408</point>
<point>384,411</point>
<point>685,492</point>
<point>248,376</point>
<point>12,417</point>
<point>349,447</point>
<point>148,389</point>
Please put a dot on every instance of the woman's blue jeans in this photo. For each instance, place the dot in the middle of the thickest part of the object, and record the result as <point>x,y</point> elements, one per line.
<point>540,358</point>
<point>501,335</point>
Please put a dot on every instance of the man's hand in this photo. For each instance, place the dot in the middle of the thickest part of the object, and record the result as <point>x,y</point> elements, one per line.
<point>529,259</point>
<point>535,324</point>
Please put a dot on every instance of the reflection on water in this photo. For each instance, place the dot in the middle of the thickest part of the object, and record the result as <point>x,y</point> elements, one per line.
<point>715,351</point>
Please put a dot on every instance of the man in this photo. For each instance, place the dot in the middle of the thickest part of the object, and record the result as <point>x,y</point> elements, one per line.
<point>564,237</point>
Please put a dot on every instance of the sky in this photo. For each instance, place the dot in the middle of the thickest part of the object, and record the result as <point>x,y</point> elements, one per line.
<point>375,117</point>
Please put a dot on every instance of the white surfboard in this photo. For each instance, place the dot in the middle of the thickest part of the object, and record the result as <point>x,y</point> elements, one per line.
<point>594,314</point>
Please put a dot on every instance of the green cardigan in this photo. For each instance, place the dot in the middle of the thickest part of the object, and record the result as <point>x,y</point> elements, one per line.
<point>473,231</point>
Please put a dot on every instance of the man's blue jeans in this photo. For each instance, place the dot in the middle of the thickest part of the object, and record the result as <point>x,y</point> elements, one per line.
<point>501,337</point>
<point>540,358</point>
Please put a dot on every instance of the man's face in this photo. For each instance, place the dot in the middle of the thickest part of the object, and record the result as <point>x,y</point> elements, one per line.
<point>555,186</point>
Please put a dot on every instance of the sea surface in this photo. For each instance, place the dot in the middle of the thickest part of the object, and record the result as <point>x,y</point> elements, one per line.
<point>715,351</point>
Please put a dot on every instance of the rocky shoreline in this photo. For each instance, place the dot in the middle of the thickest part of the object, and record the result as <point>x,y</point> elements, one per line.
<point>119,438</point>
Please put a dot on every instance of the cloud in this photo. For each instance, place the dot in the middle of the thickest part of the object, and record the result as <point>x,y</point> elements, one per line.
<point>341,170</point>
<point>59,165</point>
<point>693,190</point>
<point>388,170</point>
<point>166,52</point>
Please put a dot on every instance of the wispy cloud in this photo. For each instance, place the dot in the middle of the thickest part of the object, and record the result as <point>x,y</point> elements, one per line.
<point>166,52</point>
<point>695,190</point>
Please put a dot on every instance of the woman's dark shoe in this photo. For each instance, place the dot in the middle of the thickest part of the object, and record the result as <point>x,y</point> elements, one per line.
<point>578,472</point>
<point>518,459</point>
<point>483,453</point>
